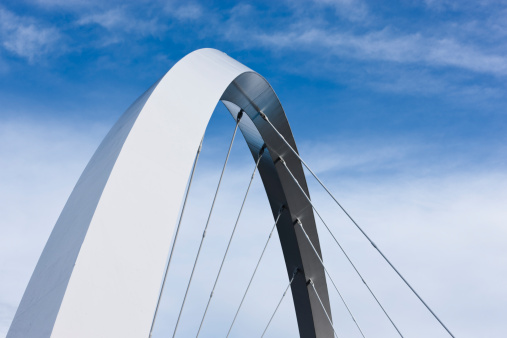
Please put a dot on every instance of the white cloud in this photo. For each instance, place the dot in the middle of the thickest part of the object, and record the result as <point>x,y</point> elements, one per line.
<point>473,46</point>
<point>187,12</point>
<point>354,10</point>
<point>385,45</point>
<point>121,20</point>
<point>25,37</point>
<point>79,5</point>
<point>445,231</point>
<point>40,163</point>
<point>440,5</point>
<point>415,155</point>
<point>64,3</point>
<point>458,6</point>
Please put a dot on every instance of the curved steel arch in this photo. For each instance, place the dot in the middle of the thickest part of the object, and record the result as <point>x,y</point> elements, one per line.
<point>100,271</point>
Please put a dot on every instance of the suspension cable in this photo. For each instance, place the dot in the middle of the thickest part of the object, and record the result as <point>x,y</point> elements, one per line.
<point>323,308</point>
<point>339,245</point>
<point>230,239</point>
<point>330,278</point>
<point>175,237</point>
<point>280,302</point>
<point>255,270</point>
<point>265,118</point>
<point>207,223</point>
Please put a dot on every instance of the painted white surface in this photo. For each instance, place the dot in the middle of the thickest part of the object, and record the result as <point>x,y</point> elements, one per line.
<point>100,271</point>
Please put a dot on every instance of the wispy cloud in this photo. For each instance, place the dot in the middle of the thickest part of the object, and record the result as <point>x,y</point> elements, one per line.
<point>414,156</point>
<point>25,37</point>
<point>440,5</point>
<point>40,161</point>
<point>450,56</point>
<point>386,45</point>
<point>353,10</point>
<point>130,21</point>
<point>121,20</point>
<point>65,3</point>
<point>191,11</point>
<point>452,218</point>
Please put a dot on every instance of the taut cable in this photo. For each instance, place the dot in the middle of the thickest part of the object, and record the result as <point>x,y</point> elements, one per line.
<point>264,117</point>
<point>207,223</point>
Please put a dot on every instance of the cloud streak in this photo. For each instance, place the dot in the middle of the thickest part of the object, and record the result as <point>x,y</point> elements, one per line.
<point>120,22</point>
<point>353,10</point>
<point>443,229</point>
<point>25,37</point>
<point>385,45</point>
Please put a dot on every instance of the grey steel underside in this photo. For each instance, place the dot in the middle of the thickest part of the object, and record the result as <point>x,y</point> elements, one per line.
<point>252,93</point>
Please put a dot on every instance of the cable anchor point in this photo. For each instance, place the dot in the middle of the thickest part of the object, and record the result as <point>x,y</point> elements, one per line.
<point>240,115</point>
<point>296,271</point>
<point>280,159</point>
<point>282,208</point>
<point>261,151</point>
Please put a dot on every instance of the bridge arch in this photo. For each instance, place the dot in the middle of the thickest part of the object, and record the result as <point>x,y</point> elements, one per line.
<point>100,271</point>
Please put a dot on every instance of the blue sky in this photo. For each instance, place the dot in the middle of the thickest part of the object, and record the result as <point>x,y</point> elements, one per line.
<point>431,71</point>
<point>399,105</point>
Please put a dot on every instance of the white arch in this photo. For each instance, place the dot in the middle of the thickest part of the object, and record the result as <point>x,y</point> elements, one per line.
<point>100,272</point>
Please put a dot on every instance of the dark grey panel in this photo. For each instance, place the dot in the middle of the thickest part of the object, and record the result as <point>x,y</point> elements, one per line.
<point>251,93</point>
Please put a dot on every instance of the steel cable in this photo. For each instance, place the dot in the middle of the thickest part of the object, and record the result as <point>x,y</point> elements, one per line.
<point>323,308</point>
<point>331,279</point>
<point>264,117</point>
<point>175,237</point>
<point>230,239</point>
<point>339,245</point>
<point>207,223</point>
<point>255,270</point>
<point>280,302</point>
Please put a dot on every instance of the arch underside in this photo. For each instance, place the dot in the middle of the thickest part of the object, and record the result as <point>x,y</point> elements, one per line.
<point>106,254</point>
